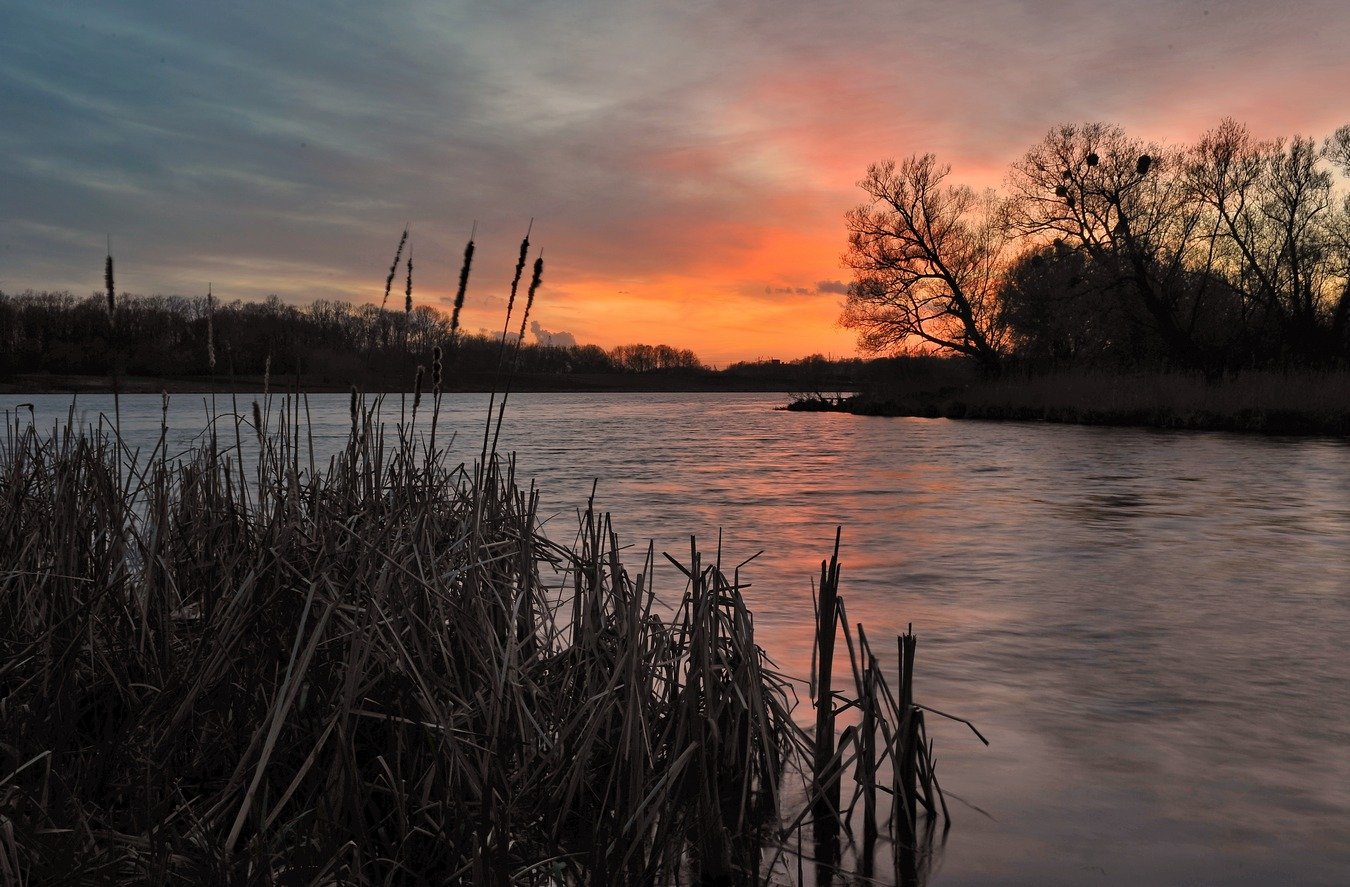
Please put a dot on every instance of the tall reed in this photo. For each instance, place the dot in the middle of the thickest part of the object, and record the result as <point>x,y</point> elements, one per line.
<point>379,672</point>
<point>393,267</point>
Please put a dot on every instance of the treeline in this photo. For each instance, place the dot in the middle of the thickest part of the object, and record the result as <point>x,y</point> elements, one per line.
<point>815,372</point>
<point>1107,251</point>
<point>327,341</point>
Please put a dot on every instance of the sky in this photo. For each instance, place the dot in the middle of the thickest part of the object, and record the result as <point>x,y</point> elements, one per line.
<point>687,164</point>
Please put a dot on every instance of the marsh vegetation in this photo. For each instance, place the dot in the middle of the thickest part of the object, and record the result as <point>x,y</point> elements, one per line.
<point>236,665</point>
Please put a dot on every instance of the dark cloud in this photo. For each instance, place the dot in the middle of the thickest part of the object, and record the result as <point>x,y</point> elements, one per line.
<point>821,288</point>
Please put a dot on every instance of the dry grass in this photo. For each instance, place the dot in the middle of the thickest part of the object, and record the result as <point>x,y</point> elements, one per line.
<point>236,666</point>
<point>1178,393</point>
<point>1268,402</point>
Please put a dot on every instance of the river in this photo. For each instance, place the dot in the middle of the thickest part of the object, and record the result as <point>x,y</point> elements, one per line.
<point>1149,626</point>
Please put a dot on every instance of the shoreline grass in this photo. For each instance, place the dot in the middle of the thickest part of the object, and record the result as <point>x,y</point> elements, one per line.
<point>1311,403</point>
<point>236,666</point>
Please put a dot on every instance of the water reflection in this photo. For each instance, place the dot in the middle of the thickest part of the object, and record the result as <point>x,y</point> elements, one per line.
<point>1149,626</point>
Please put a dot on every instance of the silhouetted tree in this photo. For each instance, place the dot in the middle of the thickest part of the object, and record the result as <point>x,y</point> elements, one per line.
<point>1279,235</point>
<point>1062,309</point>
<point>926,259</point>
<point>1231,253</point>
<point>1337,149</point>
<point>639,358</point>
<point>1119,201</point>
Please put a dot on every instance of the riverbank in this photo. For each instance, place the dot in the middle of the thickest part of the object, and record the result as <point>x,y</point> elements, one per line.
<point>1263,403</point>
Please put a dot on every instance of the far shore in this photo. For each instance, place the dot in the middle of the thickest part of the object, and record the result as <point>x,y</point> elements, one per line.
<point>1310,404</point>
<point>480,382</point>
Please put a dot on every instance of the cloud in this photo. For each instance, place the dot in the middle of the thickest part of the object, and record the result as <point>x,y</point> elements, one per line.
<point>821,288</point>
<point>558,339</point>
<point>281,147</point>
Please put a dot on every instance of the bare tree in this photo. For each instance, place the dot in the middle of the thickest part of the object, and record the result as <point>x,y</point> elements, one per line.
<point>1280,236</point>
<point>1337,148</point>
<point>926,259</point>
<point>1116,199</point>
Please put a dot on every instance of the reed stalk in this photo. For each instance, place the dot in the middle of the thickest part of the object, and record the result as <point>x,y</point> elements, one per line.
<point>336,673</point>
<point>536,278</point>
<point>463,287</point>
<point>393,267</point>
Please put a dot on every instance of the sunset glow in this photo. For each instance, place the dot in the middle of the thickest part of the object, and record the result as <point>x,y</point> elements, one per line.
<point>687,166</point>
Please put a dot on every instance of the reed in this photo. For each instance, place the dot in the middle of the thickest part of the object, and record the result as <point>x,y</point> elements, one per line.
<point>393,267</point>
<point>380,672</point>
<point>536,277</point>
<point>506,327</point>
<point>885,750</point>
<point>463,287</point>
<point>407,287</point>
<point>108,286</point>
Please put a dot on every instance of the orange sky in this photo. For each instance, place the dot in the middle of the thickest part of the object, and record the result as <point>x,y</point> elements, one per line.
<point>688,165</point>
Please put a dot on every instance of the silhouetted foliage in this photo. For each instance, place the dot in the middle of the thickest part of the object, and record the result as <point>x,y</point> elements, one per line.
<point>1279,240</point>
<point>330,342</point>
<point>648,358</point>
<point>1127,217</point>
<point>1062,309</point>
<point>925,261</point>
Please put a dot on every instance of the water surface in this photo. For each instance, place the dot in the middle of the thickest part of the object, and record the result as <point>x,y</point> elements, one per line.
<point>1149,626</point>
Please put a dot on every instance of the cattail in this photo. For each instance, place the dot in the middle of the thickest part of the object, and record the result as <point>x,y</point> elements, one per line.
<point>520,269</point>
<point>436,370</point>
<point>463,286</point>
<point>353,406</point>
<point>257,421</point>
<point>108,283</point>
<point>407,290</point>
<point>1142,165</point>
<point>463,283</point>
<point>210,330</point>
<point>529,297</point>
<point>267,372</point>
<point>393,269</point>
<point>417,388</point>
